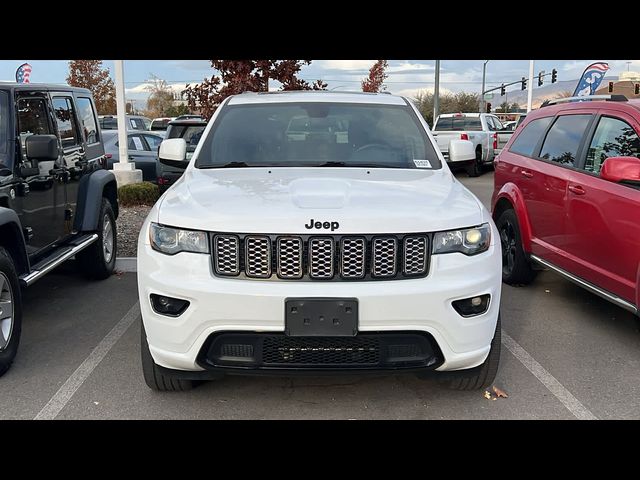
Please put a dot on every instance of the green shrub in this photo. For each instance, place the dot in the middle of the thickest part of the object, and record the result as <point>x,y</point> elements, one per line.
<point>145,193</point>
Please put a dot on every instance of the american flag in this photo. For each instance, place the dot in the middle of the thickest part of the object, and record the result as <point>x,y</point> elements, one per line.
<point>23,73</point>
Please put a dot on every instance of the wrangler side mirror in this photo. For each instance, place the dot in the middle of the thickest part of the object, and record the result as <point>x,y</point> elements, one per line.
<point>42,147</point>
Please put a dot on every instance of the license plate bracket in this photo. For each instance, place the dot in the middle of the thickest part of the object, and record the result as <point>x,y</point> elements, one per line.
<point>321,317</point>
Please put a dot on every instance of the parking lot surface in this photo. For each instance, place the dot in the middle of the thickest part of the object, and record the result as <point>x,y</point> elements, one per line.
<point>567,354</point>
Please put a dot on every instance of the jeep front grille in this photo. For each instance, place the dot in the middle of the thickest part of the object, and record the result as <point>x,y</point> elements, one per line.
<point>312,257</point>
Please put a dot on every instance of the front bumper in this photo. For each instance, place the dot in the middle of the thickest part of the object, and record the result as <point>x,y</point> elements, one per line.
<point>234,305</point>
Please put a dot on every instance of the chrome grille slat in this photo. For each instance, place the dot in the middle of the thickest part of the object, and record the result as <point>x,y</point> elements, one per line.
<point>415,255</point>
<point>384,256</point>
<point>257,256</point>
<point>289,258</point>
<point>353,259</point>
<point>227,254</point>
<point>321,256</point>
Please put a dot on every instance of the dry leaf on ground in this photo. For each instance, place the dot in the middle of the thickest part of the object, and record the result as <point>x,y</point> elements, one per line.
<point>500,393</point>
<point>487,395</point>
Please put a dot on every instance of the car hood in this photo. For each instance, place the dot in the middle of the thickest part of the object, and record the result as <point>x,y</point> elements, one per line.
<point>286,200</point>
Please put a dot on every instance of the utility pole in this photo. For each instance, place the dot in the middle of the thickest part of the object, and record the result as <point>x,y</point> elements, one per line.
<point>124,170</point>
<point>484,76</point>
<point>530,92</point>
<point>436,93</point>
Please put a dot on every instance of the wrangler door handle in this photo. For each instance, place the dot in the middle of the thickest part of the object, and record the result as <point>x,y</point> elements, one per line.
<point>526,173</point>
<point>577,189</point>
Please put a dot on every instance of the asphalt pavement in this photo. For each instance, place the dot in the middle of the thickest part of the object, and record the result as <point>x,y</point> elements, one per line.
<point>566,354</point>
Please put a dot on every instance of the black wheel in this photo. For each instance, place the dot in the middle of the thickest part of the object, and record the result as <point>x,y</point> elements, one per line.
<point>516,268</point>
<point>483,375</point>
<point>10,311</point>
<point>475,169</point>
<point>98,260</point>
<point>153,377</point>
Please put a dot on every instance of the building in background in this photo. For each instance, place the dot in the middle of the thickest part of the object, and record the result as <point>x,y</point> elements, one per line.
<point>627,84</point>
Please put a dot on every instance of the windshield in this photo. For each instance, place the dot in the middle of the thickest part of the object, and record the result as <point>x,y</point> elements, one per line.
<point>317,134</point>
<point>4,130</point>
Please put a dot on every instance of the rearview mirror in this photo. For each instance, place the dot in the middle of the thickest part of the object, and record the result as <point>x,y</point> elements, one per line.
<point>42,147</point>
<point>621,170</point>
<point>461,150</point>
<point>173,152</point>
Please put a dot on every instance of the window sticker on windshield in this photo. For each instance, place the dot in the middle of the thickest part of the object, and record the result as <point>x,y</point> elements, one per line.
<point>422,163</point>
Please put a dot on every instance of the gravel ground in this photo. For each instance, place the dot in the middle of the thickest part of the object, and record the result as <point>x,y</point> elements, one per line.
<point>129,222</point>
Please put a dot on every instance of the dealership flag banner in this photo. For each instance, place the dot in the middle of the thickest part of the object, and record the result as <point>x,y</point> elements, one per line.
<point>23,73</point>
<point>591,79</point>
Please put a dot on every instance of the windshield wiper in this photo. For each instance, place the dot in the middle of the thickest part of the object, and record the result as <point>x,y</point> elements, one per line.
<point>359,165</point>
<point>227,165</point>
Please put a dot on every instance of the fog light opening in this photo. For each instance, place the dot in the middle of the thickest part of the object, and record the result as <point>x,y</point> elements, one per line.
<point>472,306</point>
<point>169,306</point>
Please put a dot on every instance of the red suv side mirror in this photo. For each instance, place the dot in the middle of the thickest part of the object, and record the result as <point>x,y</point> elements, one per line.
<point>621,169</point>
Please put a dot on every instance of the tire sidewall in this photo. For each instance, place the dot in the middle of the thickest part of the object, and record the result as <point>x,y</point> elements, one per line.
<point>108,211</point>
<point>521,264</point>
<point>9,353</point>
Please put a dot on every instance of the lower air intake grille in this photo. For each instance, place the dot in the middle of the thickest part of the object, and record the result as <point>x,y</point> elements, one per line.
<point>320,351</point>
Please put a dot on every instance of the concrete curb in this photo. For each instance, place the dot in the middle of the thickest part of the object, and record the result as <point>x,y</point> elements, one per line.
<point>127,264</point>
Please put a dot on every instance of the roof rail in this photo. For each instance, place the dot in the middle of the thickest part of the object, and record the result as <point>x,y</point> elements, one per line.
<point>606,98</point>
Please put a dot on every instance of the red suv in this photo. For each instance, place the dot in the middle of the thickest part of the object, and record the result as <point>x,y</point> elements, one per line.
<point>567,197</point>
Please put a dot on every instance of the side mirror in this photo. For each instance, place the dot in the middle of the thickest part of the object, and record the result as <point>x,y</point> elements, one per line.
<point>461,150</point>
<point>621,170</point>
<point>173,152</point>
<point>42,147</point>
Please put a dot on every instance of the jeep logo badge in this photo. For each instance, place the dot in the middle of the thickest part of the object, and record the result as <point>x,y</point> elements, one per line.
<point>322,225</point>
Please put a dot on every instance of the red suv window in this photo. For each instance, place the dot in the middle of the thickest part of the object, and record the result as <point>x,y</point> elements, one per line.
<point>564,138</point>
<point>613,138</point>
<point>526,142</point>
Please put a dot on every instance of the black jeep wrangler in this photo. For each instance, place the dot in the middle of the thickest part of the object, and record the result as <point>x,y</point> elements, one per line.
<point>56,199</point>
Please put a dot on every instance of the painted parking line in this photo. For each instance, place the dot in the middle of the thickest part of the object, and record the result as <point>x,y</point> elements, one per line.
<point>554,386</point>
<point>77,378</point>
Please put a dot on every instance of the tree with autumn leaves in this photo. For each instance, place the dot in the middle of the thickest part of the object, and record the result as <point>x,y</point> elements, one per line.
<point>377,75</point>
<point>237,76</point>
<point>90,74</point>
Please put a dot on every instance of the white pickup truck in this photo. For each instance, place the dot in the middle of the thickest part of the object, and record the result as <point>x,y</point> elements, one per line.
<point>479,128</point>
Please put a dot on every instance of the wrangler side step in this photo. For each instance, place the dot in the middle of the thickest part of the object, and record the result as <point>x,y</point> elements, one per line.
<point>55,258</point>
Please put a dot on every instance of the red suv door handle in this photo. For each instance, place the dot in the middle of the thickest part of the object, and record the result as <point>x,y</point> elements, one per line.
<point>526,173</point>
<point>577,189</point>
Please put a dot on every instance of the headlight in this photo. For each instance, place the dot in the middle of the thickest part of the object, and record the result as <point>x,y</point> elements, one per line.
<point>469,241</point>
<point>172,240</point>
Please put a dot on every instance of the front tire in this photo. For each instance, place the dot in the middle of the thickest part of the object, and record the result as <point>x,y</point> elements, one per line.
<point>153,377</point>
<point>98,260</point>
<point>10,311</point>
<point>516,268</point>
<point>483,375</point>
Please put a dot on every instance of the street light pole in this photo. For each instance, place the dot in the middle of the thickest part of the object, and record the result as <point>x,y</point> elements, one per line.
<point>436,93</point>
<point>484,75</point>
<point>530,92</point>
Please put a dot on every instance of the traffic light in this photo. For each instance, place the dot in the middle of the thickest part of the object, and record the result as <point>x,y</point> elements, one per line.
<point>502,90</point>
<point>554,75</point>
<point>541,78</point>
<point>610,87</point>
<point>524,84</point>
<point>488,107</point>
<point>637,89</point>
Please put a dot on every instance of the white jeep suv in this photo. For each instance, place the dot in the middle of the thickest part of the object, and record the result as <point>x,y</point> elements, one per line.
<point>344,244</point>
